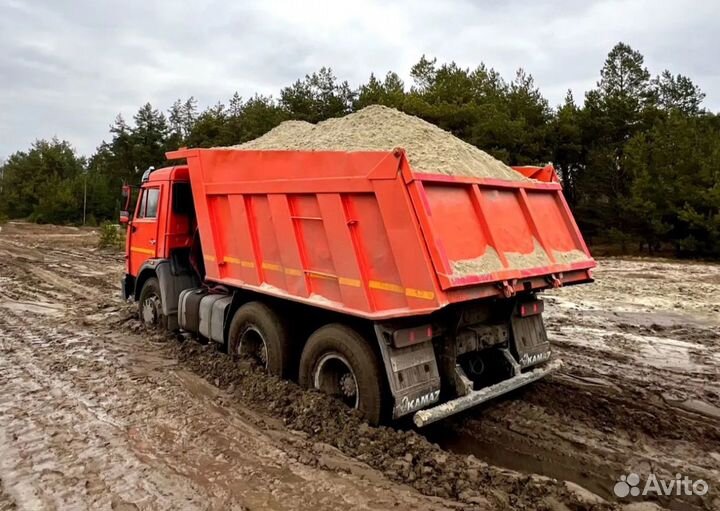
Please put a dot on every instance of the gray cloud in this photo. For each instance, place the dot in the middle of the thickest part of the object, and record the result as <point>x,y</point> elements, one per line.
<point>67,68</point>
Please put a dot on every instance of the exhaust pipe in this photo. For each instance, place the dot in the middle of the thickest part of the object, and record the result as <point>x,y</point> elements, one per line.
<point>475,397</point>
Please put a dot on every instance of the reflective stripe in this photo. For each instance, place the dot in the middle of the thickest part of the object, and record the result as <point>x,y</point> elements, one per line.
<point>141,250</point>
<point>407,291</point>
<point>419,293</point>
<point>344,281</point>
<point>241,262</point>
<point>386,286</point>
<point>349,282</point>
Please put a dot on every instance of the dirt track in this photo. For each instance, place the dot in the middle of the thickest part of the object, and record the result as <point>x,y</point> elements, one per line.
<point>95,413</point>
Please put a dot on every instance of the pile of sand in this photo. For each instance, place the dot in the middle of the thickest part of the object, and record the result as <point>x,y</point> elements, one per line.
<point>490,262</point>
<point>379,128</point>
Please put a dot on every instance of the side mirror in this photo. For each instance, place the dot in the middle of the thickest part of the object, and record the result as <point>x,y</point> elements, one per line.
<point>125,211</point>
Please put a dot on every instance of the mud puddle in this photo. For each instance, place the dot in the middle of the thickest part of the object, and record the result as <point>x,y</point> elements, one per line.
<point>530,459</point>
<point>527,459</point>
<point>572,458</point>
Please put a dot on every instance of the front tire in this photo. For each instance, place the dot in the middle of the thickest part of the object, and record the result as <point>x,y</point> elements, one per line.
<point>150,305</point>
<point>338,361</point>
<point>258,333</point>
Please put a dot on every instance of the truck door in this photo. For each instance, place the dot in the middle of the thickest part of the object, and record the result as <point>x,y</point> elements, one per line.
<point>144,228</point>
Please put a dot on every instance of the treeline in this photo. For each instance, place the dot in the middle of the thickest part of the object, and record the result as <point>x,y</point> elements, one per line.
<point>639,158</point>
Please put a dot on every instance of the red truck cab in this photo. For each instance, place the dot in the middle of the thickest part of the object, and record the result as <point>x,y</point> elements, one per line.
<point>159,231</point>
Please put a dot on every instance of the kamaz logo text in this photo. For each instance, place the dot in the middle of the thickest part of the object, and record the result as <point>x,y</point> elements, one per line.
<point>410,405</point>
<point>528,360</point>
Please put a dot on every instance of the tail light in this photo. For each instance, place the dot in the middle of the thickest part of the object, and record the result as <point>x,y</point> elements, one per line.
<point>531,308</point>
<point>415,335</point>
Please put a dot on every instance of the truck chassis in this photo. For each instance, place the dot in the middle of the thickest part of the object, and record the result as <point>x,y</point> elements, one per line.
<point>484,348</point>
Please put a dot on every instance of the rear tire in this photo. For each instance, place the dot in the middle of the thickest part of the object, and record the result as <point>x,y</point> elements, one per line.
<point>256,331</point>
<point>338,360</point>
<point>150,305</point>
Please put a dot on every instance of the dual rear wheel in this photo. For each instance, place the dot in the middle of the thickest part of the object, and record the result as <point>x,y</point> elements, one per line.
<point>336,359</point>
<point>258,333</point>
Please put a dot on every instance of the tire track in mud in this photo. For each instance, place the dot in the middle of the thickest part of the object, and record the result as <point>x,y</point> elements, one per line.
<point>42,273</point>
<point>402,456</point>
<point>574,427</point>
<point>341,482</point>
<point>579,434</point>
<point>90,423</point>
<point>66,449</point>
<point>6,501</point>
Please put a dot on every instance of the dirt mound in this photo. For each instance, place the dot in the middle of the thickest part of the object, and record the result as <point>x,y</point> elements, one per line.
<point>379,128</point>
<point>403,456</point>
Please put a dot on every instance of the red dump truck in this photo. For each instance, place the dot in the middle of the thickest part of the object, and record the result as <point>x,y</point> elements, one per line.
<point>396,291</point>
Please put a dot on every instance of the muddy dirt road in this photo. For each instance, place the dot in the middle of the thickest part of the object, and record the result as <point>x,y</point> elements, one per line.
<point>97,414</point>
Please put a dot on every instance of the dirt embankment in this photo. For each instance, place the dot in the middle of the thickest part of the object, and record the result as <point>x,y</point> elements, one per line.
<point>96,413</point>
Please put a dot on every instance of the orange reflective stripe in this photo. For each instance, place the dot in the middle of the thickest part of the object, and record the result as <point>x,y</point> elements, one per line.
<point>241,262</point>
<point>407,291</point>
<point>141,250</point>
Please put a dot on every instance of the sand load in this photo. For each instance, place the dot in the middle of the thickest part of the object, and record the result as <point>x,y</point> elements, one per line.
<point>379,128</point>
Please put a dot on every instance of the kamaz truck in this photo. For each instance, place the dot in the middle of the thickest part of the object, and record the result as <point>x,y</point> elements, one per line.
<point>398,292</point>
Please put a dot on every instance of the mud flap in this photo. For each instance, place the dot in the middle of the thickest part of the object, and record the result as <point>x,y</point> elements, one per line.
<point>475,397</point>
<point>530,344</point>
<point>412,373</point>
<point>127,286</point>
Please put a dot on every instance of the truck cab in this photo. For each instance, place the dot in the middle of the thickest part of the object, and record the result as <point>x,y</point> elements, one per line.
<point>160,230</point>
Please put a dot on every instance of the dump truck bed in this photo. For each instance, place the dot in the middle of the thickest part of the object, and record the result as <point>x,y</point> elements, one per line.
<point>362,233</point>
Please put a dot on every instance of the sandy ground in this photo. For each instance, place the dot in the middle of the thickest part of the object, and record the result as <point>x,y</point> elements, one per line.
<point>97,414</point>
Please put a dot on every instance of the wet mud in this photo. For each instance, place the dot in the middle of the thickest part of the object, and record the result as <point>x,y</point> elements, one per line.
<point>95,412</point>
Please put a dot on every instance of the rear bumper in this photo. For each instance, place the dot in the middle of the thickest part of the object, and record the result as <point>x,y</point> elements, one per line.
<point>475,397</point>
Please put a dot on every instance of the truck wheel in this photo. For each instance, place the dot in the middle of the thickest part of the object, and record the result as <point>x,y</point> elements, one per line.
<point>257,332</point>
<point>338,361</point>
<point>150,304</point>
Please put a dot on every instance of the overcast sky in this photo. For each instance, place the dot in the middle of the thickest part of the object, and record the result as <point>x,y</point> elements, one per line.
<point>67,68</point>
